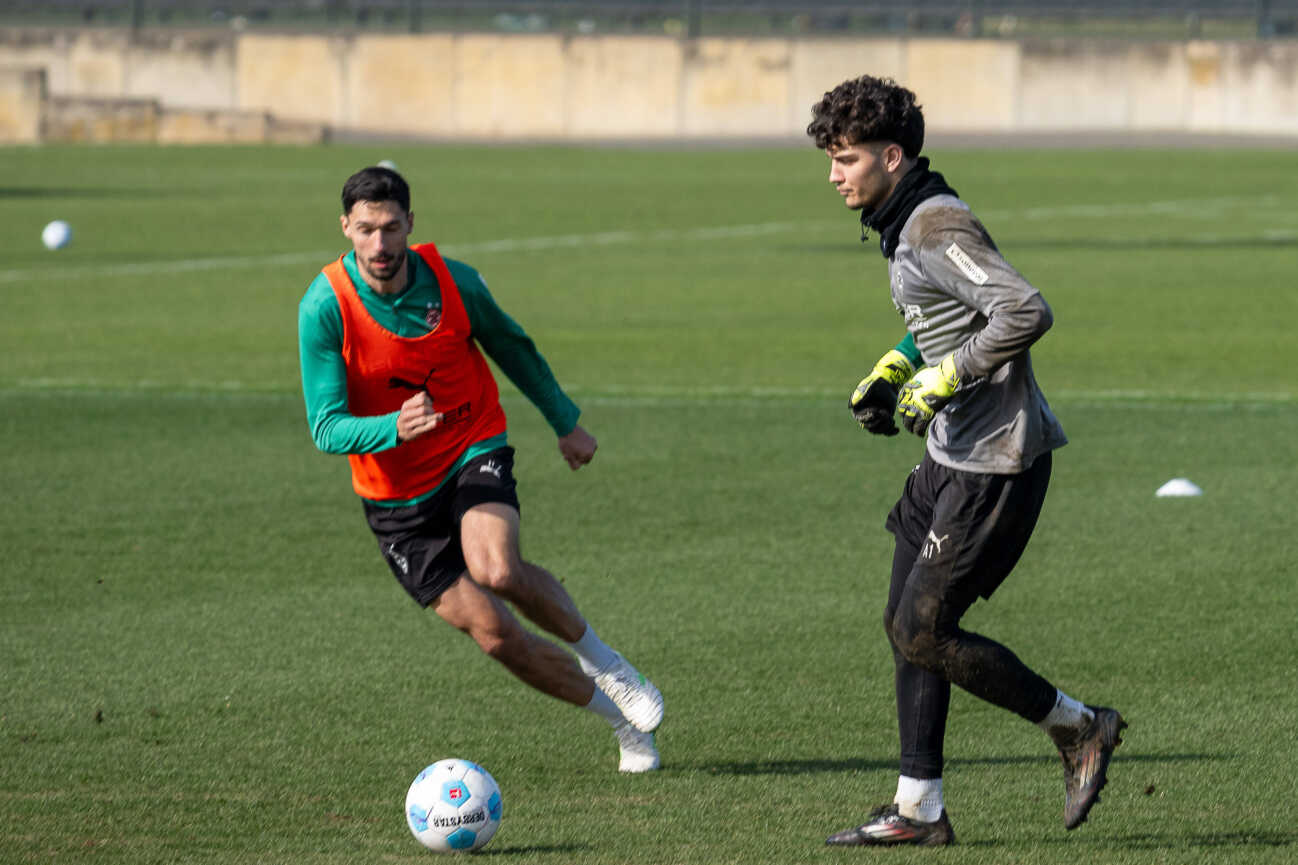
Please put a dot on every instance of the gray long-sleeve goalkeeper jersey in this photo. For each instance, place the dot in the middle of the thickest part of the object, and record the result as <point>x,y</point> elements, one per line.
<point>958,294</point>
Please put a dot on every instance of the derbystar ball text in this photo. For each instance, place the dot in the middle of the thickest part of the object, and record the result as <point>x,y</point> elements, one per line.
<point>469,818</point>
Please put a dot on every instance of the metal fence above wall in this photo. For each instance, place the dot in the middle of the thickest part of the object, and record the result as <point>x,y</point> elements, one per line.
<point>1142,19</point>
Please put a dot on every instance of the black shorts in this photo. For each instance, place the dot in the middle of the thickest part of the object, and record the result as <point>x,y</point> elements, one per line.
<point>961,533</point>
<point>421,542</point>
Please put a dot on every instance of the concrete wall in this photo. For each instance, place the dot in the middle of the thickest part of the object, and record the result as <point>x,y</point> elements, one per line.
<point>102,120</point>
<point>1247,87</point>
<point>94,120</point>
<point>22,105</point>
<point>556,86</point>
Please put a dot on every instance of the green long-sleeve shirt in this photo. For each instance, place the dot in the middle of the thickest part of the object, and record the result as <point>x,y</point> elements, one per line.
<point>324,375</point>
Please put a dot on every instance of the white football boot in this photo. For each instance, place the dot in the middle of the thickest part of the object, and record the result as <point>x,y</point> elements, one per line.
<point>641,703</point>
<point>639,752</point>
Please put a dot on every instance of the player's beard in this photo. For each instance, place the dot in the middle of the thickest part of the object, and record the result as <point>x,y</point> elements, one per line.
<point>385,270</point>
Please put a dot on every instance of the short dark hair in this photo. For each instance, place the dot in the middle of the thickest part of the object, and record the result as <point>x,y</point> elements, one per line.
<point>868,109</point>
<point>375,184</point>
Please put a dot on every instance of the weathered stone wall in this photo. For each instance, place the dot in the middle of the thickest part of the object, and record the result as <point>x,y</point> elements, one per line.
<point>582,87</point>
<point>22,105</point>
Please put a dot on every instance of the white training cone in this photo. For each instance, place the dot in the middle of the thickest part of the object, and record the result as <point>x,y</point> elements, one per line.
<point>1179,487</point>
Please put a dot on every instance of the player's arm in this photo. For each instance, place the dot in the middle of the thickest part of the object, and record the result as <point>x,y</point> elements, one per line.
<point>324,381</point>
<point>509,346</point>
<point>506,343</point>
<point>964,262</point>
<point>874,402</point>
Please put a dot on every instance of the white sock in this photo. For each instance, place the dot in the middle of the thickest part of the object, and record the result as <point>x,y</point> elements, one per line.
<point>1067,713</point>
<point>919,799</point>
<point>591,652</point>
<point>601,705</point>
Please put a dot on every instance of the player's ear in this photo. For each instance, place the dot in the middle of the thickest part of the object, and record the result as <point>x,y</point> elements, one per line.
<point>342,221</point>
<point>892,156</point>
<point>410,220</point>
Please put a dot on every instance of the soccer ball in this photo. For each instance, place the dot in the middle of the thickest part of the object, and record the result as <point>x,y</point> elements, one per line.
<point>56,235</point>
<point>453,806</point>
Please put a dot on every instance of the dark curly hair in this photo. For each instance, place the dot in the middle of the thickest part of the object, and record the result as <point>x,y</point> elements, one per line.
<point>376,184</point>
<point>868,109</point>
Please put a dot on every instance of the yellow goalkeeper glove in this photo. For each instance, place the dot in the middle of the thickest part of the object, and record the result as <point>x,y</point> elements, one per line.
<point>874,401</point>
<point>924,395</point>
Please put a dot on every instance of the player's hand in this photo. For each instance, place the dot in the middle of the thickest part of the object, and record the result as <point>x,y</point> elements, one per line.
<point>875,398</point>
<point>924,395</point>
<point>577,447</point>
<point>417,417</point>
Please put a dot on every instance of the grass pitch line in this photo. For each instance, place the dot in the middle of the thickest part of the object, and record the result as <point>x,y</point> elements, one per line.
<point>161,268</point>
<point>512,244</point>
<point>1187,207</point>
<point>1128,399</point>
<point>649,395</point>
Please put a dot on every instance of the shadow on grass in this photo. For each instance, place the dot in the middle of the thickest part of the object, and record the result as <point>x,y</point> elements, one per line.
<point>533,848</point>
<point>1092,244</point>
<point>810,767</point>
<point>1118,757</point>
<point>1209,840</point>
<point>1169,841</point>
<point>1173,243</point>
<point>789,767</point>
<point>39,192</point>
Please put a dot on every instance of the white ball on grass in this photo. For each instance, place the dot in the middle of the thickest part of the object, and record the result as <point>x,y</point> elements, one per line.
<point>56,235</point>
<point>453,806</point>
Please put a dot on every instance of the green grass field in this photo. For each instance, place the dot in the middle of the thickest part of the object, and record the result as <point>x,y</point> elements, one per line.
<point>203,658</point>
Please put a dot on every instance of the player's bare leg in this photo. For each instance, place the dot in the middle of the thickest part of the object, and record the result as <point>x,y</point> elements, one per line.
<point>541,664</point>
<point>535,660</point>
<point>489,537</point>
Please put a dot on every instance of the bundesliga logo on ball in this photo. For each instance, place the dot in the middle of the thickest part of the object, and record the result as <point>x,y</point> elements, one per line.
<point>453,806</point>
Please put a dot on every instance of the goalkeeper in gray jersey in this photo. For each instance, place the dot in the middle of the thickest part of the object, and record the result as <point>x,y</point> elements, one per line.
<point>968,509</point>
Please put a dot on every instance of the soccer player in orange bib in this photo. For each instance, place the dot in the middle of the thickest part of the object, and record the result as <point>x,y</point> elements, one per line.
<point>391,342</point>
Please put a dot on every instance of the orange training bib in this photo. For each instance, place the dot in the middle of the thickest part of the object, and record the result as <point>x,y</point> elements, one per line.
<point>384,370</point>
